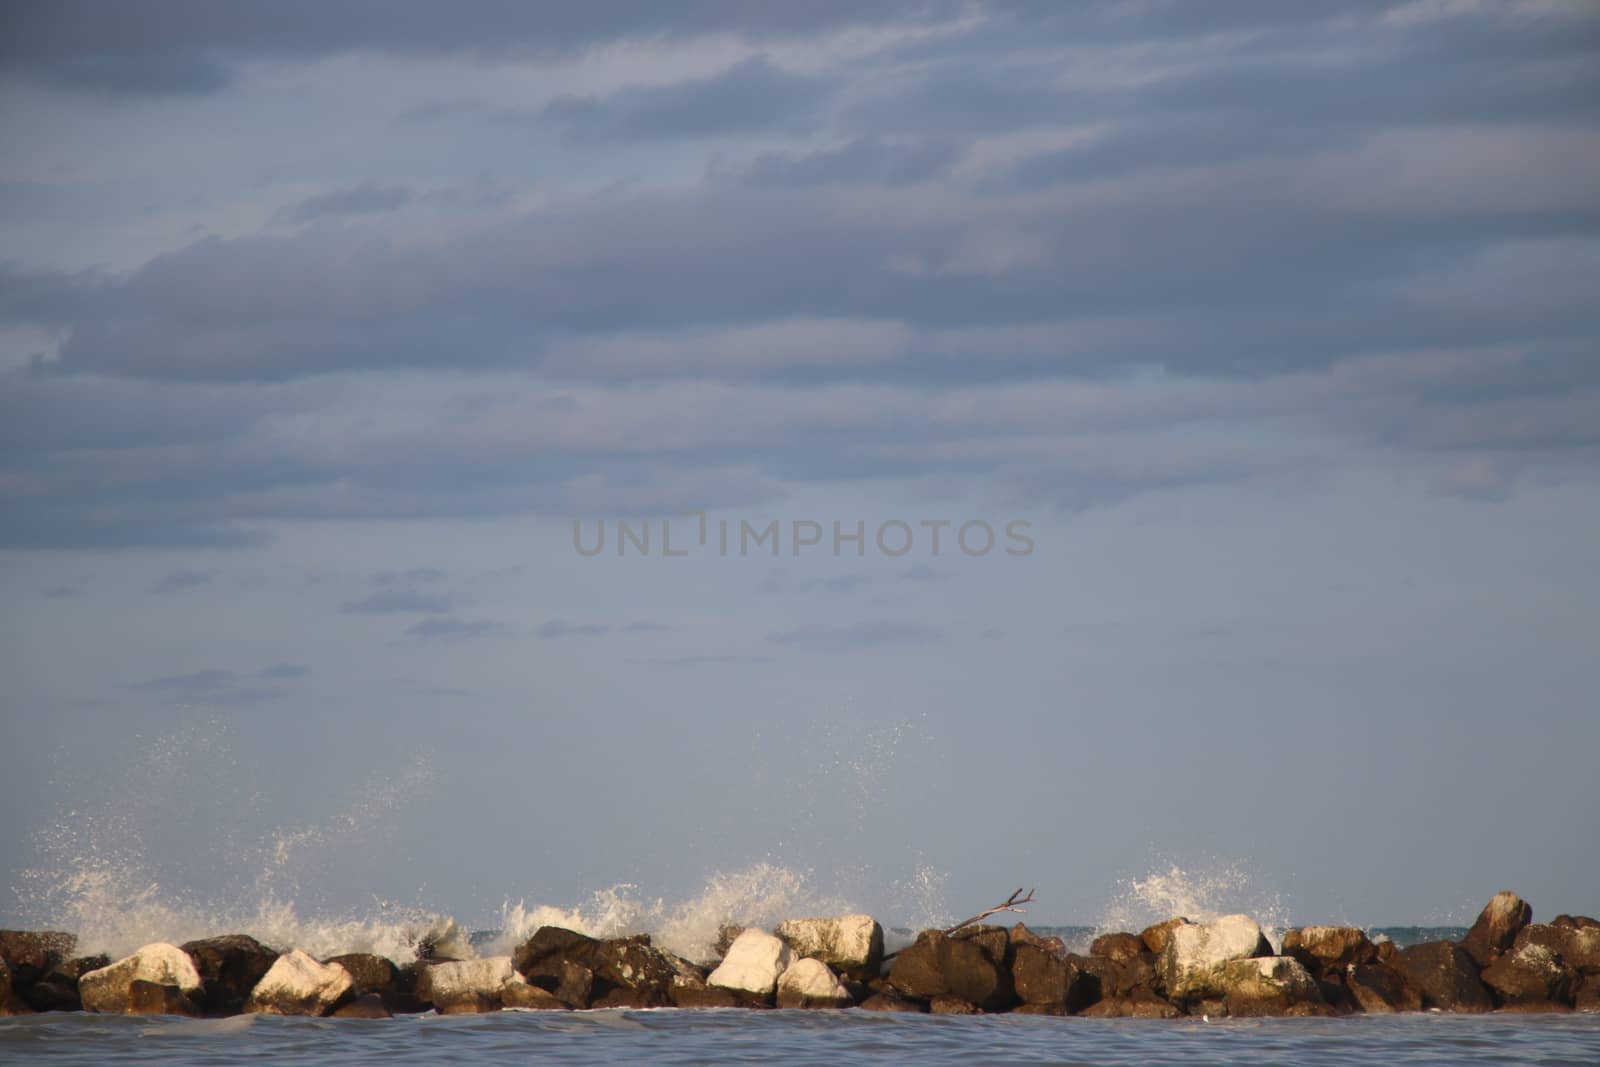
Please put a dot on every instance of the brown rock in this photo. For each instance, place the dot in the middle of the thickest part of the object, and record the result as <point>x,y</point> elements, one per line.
<point>1537,1007</point>
<point>1119,948</point>
<point>365,1006</point>
<point>1497,927</point>
<point>229,966</point>
<point>1155,937</point>
<point>1378,990</point>
<point>1328,950</point>
<point>154,998</point>
<point>1021,935</point>
<point>1444,976</point>
<point>40,950</point>
<point>1269,985</point>
<point>371,973</point>
<point>1041,977</point>
<point>1578,946</point>
<point>631,964</point>
<point>709,996</point>
<point>945,1004</point>
<point>936,965</point>
<point>1138,1006</point>
<point>891,1002</point>
<point>1530,974</point>
<point>1587,997</point>
<point>530,997</point>
<point>1576,922</point>
<point>1040,1009</point>
<point>1117,979</point>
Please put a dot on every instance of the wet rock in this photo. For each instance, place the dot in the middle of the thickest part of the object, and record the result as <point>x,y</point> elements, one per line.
<point>364,1006</point>
<point>38,950</point>
<point>1578,946</point>
<point>108,988</point>
<point>1155,937</point>
<point>1195,951</point>
<point>936,964</point>
<point>296,984</point>
<point>994,940</point>
<point>1119,948</point>
<point>57,989</point>
<point>517,992</point>
<point>704,996</point>
<point>1587,997</point>
<point>626,963</point>
<point>1138,1006</point>
<point>810,983</point>
<point>1328,950</point>
<point>1021,935</point>
<point>1444,976</point>
<point>727,933</point>
<point>945,1004</point>
<point>1497,927</point>
<point>1380,990</point>
<point>753,964</point>
<point>1118,979</point>
<point>378,975</point>
<point>850,944</point>
<point>1576,922</point>
<point>1039,1009</point>
<point>155,998</point>
<point>466,987</point>
<point>1041,977</point>
<point>891,1002</point>
<point>229,967</point>
<point>1531,974</point>
<point>10,1002</point>
<point>571,983</point>
<point>1269,985</point>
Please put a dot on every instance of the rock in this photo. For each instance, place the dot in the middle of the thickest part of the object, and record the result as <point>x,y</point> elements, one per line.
<point>10,1002</point>
<point>57,989</point>
<point>1039,1009</point>
<point>994,940</point>
<point>727,933</point>
<point>1328,950</point>
<point>1531,974</point>
<point>156,998</point>
<point>1194,952</point>
<point>519,993</point>
<point>1576,922</point>
<point>1021,935</point>
<point>850,944</point>
<point>1041,977</point>
<point>810,983</point>
<point>1120,948</point>
<point>1155,937</point>
<point>296,984</point>
<point>704,996</point>
<point>108,988</point>
<point>1444,976</point>
<point>1578,946</point>
<point>1379,990</point>
<point>373,974</point>
<point>753,964</point>
<point>626,963</point>
<point>229,969</point>
<point>891,1002</point>
<point>1138,1006</point>
<point>1497,927</point>
<point>465,987</point>
<point>39,950</point>
<point>1587,997</point>
<point>1268,985</point>
<point>364,1006</point>
<point>945,1004</point>
<point>936,964</point>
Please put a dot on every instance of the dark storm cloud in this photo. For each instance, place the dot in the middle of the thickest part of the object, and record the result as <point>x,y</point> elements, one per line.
<point>752,95</point>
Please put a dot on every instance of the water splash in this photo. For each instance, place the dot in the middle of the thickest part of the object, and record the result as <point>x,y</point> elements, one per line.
<point>1200,893</point>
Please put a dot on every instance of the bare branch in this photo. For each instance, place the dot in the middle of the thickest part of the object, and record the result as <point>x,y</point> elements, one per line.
<point>1013,903</point>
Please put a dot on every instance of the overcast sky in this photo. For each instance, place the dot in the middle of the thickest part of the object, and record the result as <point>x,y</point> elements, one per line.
<point>1274,323</point>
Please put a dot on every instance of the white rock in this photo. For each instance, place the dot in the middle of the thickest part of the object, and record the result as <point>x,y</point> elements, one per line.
<point>470,985</point>
<point>810,983</point>
<point>106,990</point>
<point>753,963</point>
<point>297,984</point>
<point>848,942</point>
<point>1194,952</point>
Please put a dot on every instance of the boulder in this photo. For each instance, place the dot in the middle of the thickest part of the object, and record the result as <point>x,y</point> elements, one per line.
<point>850,944</point>
<point>1039,1009</point>
<point>1328,950</point>
<point>726,934</point>
<point>465,987</point>
<point>1379,990</point>
<point>994,940</point>
<point>229,969</point>
<point>157,998</point>
<point>946,1004</point>
<point>57,989</point>
<point>377,975</point>
<point>1120,948</point>
<point>108,989</point>
<point>1041,977</point>
<point>38,950</point>
<point>1021,935</point>
<point>296,984</point>
<point>1116,979</point>
<point>1194,952</point>
<point>1578,946</point>
<point>1587,997</point>
<point>1497,927</point>
<point>937,964</point>
<point>10,1002</point>
<point>753,964</point>
<point>644,974</point>
<point>1268,985</point>
<point>1444,976</point>
<point>364,1006</point>
<point>1576,922</point>
<point>519,993</point>
<point>810,983</point>
<point>1155,937</point>
<point>704,996</point>
<point>1530,974</point>
<point>1143,1005</point>
<point>891,1002</point>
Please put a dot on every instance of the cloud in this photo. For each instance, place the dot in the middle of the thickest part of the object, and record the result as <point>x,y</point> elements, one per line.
<point>399,601</point>
<point>216,687</point>
<point>178,581</point>
<point>368,198</point>
<point>556,629</point>
<point>857,635</point>
<point>454,629</point>
<point>283,672</point>
<point>644,627</point>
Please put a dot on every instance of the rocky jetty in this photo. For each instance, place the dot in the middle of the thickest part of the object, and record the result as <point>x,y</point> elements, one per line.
<point>1227,966</point>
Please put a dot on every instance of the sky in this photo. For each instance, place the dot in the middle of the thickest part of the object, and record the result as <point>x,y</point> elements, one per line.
<point>1241,356</point>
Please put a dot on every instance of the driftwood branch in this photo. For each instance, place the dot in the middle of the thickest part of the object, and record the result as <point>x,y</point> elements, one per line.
<point>1012,903</point>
